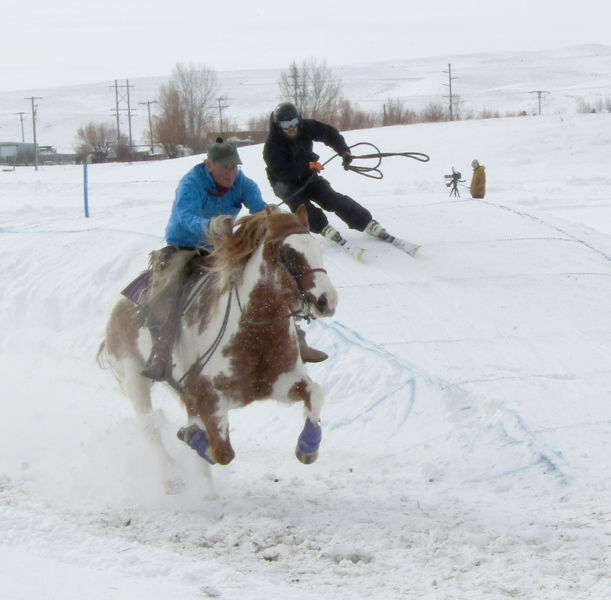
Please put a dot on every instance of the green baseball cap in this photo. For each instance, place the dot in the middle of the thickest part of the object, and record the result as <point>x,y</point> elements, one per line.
<point>223,153</point>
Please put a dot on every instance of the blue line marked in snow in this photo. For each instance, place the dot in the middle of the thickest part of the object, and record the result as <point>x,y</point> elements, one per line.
<point>523,436</point>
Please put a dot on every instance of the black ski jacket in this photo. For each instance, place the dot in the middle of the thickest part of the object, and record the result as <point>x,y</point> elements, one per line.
<point>288,160</point>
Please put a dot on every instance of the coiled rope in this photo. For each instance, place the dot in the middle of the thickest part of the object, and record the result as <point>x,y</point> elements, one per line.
<point>374,171</point>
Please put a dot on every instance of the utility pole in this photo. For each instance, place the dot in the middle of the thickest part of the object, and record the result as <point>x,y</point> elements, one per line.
<point>22,132</point>
<point>148,105</point>
<point>221,107</point>
<point>449,84</point>
<point>117,109</point>
<point>539,94</point>
<point>129,115</point>
<point>34,107</point>
<point>294,75</point>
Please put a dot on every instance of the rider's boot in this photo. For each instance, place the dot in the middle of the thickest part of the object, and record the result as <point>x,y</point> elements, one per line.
<point>159,364</point>
<point>309,354</point>
<point>376,230</point>
<point>332,234</point>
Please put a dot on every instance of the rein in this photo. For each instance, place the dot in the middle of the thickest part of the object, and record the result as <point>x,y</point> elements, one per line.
<point>203,360</point>
<point>298,314</point>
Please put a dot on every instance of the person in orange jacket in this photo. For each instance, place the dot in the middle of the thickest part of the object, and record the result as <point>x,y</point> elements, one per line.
<point>478,181</point>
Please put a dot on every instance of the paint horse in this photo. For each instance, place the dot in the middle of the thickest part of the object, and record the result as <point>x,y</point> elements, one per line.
<point>237,339</point>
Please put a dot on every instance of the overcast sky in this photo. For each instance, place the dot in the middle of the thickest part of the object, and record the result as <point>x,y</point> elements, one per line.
<point>48,43</point>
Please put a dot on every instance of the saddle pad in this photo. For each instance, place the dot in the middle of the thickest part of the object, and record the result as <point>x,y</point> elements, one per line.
<point>137,290</point>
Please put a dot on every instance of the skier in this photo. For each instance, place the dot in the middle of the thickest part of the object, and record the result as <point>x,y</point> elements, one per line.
<point>478,181</point>
<point>293,171</point>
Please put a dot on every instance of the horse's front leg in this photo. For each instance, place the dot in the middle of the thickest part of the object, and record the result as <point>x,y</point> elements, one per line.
<point>212,443</point>
<point>308,443</point>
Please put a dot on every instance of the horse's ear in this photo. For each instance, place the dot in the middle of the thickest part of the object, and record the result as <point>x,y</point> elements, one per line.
<point>302,215</point>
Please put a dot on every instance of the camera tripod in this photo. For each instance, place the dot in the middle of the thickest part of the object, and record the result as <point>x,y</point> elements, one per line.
<point>454,186</point>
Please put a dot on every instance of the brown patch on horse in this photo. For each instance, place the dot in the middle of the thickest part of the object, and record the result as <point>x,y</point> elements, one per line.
<point>261,350</point>
<point>121,332</point>
<point>300,392</point>
<point>200,398</point>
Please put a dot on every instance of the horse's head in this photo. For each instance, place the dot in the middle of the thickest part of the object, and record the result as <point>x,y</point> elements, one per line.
<point>301,256</point>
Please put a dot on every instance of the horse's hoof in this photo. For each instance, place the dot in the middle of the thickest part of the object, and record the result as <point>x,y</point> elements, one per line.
<point>306,459</point>
<point>308,443</point>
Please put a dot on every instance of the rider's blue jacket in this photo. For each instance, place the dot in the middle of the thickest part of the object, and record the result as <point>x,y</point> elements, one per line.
<point>198,199</point>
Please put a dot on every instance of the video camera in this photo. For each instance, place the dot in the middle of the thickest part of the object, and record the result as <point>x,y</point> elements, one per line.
<point>455,176</point>
<point>453,180</point>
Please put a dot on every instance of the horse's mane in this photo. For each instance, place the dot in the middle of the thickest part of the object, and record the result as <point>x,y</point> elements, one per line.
<point>232,245</point>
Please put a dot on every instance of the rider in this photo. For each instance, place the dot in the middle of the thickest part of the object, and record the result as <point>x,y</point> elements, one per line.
<point>211,188</point>
<point>293,172</point>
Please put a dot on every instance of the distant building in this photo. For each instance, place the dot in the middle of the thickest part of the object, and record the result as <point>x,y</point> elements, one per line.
<point>20,153</point>
<point>10,150</point>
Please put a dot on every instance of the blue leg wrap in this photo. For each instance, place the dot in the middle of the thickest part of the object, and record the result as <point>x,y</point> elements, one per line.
<point>199,442</point>
<point>310,437</point>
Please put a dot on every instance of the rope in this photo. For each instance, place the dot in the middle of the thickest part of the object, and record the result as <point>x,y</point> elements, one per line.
<point>366,171</point>
<point>374,172</point>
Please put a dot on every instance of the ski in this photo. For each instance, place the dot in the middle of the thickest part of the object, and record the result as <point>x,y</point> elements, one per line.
<point>334,236</point>
<point>404,245</point>
<point>353,251</point>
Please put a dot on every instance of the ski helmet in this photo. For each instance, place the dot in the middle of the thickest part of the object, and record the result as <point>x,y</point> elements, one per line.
<point>286,113</point>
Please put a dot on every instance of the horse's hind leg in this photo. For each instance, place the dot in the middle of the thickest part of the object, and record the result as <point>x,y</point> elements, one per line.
<point>138,389</point>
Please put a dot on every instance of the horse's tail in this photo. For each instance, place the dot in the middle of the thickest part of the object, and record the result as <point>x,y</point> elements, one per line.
<point>99,356</point>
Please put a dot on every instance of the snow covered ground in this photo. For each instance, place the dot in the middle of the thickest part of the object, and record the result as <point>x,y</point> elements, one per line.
<point>467,417</point>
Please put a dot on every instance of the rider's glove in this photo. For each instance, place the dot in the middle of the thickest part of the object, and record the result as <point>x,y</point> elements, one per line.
<point>346,159</point>
<point>316,166</point>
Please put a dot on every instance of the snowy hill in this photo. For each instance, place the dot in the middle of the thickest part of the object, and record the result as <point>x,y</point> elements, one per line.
<point>501,82</point>
<point>467,416</point>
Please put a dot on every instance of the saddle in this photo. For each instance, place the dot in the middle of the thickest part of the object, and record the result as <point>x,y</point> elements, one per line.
<point>139,290</point>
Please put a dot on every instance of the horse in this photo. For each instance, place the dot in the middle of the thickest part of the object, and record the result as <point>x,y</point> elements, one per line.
<point>237,341</point>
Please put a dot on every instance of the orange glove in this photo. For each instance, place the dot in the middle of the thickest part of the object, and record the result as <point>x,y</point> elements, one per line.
<point>316,166</point>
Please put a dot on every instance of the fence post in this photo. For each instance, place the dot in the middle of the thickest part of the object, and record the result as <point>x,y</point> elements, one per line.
<point>85,190</point>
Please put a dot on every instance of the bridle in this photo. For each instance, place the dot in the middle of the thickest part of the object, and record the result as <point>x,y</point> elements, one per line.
<point>306,298</point>
<point>303,312</point>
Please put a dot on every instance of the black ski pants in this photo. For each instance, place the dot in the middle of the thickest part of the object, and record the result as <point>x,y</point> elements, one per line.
<point>319,190</point>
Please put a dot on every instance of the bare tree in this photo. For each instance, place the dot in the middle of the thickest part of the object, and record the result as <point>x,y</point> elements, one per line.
<point>260,123</point>
<point>349,116</point>
<point>187,104</point>
<point>170,126</point>
<point>395,113</point>
<point>312,87</point>
<point>95,140</point>
<point>433,112</point>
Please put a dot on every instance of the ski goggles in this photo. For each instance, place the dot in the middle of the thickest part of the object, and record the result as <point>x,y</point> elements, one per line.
<point>290,123</point>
